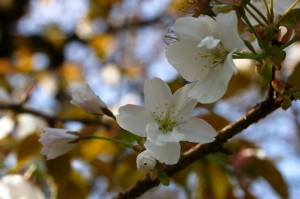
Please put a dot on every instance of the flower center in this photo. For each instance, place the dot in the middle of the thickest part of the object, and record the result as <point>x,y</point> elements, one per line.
<point>166,124</point>
<point>215,54</point>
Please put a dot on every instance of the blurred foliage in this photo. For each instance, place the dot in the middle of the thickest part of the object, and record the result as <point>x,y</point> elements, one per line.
<point>130,36</point>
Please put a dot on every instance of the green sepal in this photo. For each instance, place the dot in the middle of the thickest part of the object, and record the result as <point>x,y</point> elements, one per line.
<point>291,19</point>
<point>163,177</point>
<point>266,73</point>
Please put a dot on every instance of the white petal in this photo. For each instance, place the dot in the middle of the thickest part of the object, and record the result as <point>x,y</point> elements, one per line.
<point>157,96</point>
<point>227,31</point>
<point>84,97</point>
<point>153,132</point>
<point>52,153</point>
<point>134,119</point>
<point>173,136</point>
<point>63,133</point>
<point>169,153</point>
<point>194,28</point>
<point>197,130</point>
<point>212,87</point>
<point>209,42</point>
<point>185,57</point>
<point>182,105</point>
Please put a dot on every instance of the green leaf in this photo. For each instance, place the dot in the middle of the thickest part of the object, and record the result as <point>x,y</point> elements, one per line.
<point>266,74</point>
<point>292,18</point>
<point>297,95</point>
<point>163,177</point>
<point>219,181</point>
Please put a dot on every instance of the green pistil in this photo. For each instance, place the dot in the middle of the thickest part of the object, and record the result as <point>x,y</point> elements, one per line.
<point>215,56</point>
<point>165,125</point>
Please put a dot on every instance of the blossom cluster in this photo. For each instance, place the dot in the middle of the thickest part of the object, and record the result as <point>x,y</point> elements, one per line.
<point>202,54</point>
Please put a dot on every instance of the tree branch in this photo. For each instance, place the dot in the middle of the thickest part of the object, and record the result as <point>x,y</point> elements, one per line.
<point>199,151</point>
<point>50,119</point>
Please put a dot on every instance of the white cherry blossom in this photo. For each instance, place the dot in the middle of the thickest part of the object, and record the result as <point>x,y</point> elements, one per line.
<point>145,161</point>
<point>165,120</point>
<point>56,142</point>
<point>203,54</point>
<point>84,98</point>
<point>15,186</point>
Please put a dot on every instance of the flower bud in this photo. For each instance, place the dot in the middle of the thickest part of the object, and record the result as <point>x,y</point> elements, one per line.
<point>84,97</point>
<point>57,142</point>
<point>145,161</point>
<point>279,86</point>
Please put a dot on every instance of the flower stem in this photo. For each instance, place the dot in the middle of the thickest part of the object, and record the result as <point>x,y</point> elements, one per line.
<point>246,55</point>
<point>254,16</point>
<point>260,41</point>
<point>87,137</point>
<point>290,8</point>
<point>258,12</point>
<point>271,10</point>
<point>266,7</point>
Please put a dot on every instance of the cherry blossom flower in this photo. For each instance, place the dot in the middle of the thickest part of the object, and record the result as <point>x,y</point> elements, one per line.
<point>84,98</point>
<point>57,142</point>
<point>145,161</point>
<point>165,121</point>
<point>203,54</point>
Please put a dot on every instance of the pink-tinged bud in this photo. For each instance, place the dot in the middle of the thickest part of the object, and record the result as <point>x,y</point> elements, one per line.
<point>57,142</point>
<point>84,98</point>
<point>279,99</point>
<point>137,148</point>
<point>153,175</point>
<point>145,161</point>
<point>285,38</point>
<point>197,7</point>
<point>279,86</point>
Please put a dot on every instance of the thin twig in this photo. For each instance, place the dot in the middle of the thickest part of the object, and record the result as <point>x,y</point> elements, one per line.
<point>50,119</point>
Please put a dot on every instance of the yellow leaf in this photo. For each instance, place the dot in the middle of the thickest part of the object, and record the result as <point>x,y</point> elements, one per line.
<point>218,181</point>
<point>92,149</point>
<point>126,174</point>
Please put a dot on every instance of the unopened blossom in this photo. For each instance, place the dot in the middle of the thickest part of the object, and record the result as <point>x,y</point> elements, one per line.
<point>203,54</point>
<point>57,142</point>
<point>85,98</point>
<point>145,161</point>
<point>165,121</point>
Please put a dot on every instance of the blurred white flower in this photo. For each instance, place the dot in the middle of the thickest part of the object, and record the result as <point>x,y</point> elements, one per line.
<point>85,98</point>
<point>145,161</point>
<point>56,142</point>
<point>203,54</point>
<point>165,120</point>
<point>16,187</point>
